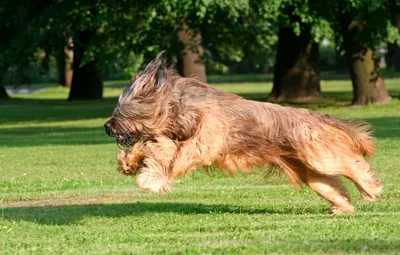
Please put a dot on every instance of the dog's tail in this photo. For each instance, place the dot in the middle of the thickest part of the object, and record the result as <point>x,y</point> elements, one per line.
<point>361,133</point>
<point>357,131</point>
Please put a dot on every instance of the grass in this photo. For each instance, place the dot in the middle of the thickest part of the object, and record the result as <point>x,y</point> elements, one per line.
<point>117,79</point>
<point>60,193</point>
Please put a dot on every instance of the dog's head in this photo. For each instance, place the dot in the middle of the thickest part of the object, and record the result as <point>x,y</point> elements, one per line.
<point>145,107</point>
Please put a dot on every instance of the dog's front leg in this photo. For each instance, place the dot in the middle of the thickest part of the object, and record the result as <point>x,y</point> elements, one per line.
<point>131,159</point>
<point>153,177</point>
<point>164,164</point>
<point>166,160</point>
<point>155,174</point>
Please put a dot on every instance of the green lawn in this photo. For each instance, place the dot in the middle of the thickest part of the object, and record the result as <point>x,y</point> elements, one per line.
<point>60,192</point>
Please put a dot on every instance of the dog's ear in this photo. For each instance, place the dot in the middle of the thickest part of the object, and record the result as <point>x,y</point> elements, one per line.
<point>158,71</point>
<point>153,78</point>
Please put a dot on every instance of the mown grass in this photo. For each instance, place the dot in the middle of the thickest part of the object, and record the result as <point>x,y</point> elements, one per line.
<point>116,79</point>
<point>60,192</point>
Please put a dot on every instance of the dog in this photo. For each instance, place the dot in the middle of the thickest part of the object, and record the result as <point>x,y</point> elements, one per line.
<point>170,125</point>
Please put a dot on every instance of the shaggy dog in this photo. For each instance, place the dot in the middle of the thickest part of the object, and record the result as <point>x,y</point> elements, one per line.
<point>171,125</point>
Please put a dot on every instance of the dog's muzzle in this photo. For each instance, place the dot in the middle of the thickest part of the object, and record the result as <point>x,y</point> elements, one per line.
<point>126,139</point>
<point>107,128</point>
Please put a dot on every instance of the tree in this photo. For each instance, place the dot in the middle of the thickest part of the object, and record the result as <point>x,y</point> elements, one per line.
<point>393,54</point>
<point>103,34</point>
<point>191,57</point>
<point>296,73</point>
<point>357,33</point>
<point>206,31</point>
<point>19,36</point>
<point>106,32</point>
<point>64,56</point>
<point>87,80</point>
<point>297,65</point>
<point>360,26</point>
<point>3,93</point>
<point>126,34</point>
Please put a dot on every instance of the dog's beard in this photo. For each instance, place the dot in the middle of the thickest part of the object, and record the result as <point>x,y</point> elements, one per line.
<point>126,139</point>
<point>123,135</point>
<point>129,139</point>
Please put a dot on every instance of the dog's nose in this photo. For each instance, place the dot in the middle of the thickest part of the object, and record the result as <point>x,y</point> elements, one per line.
<point>107,128</point>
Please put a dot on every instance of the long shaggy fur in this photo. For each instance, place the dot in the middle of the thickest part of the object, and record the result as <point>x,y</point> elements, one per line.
<point>173,125</point>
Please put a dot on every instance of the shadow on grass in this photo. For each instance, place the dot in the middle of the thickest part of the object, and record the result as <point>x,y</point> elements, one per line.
<point>385,127</point>
<point>53,110</point>
<point>65,215</point>
<point>23,136</point>
<point>50,110</point>
<point>329,99</point>
<point>34,136</point>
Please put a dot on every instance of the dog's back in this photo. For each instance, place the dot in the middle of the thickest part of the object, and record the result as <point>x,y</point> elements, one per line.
<point>273,123</point>
<point>308,146</point>
<point>187,124</point>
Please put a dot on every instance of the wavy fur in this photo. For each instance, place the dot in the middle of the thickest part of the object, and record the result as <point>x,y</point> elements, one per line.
<point>192,124</point>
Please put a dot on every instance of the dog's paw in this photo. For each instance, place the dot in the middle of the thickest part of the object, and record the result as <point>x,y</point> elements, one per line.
<point>342,210</point>
<point>130,161</point>
<point>123,165</point>
<point>154,182</point>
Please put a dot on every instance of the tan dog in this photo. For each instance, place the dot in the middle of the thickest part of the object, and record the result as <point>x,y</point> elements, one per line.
<point>172,125</point>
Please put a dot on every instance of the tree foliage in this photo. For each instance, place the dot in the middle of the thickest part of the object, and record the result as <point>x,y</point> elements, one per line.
<point>19,36</point>
<point>129,31</point>
<point>360,27</point>
<point>125,34</point>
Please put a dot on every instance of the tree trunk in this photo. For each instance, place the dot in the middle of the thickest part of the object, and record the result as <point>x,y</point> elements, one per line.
<point>393,57</point>
<point>45,61</point>
<point>69,60</point>
<point>297,67</point>
<point>87,82</point>
<point>60,62</point>
<point>378,93</point>
<point>64,60</point>
<point>3,93</point>
<point>87,79</point>
<point>191,61</point>
<point>363,64</point>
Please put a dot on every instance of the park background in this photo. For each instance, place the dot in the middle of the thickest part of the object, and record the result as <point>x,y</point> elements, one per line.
<point>63,64</point>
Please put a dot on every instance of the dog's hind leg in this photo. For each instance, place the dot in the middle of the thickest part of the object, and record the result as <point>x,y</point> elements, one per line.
<point>359,171</point>
<point>342,162</point>
<point>328,187</point>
